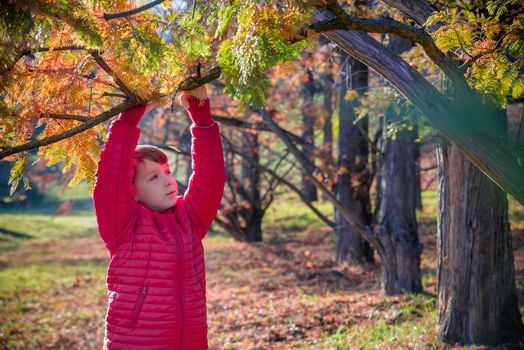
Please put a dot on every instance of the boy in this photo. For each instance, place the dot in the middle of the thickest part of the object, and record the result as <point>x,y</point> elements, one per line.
<point>156,276</point>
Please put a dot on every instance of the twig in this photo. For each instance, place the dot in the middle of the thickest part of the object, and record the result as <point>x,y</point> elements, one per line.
<point>81,118</point>
<point>109,16</point>
<point>111,94</point>
<point>102,63</point>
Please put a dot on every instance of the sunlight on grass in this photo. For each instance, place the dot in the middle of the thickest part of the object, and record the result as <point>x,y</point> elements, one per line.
<point>78,192</point>
<point>17,229</point>
<point>405,326</point>
<point>429,206</point>
<point>289,213</point>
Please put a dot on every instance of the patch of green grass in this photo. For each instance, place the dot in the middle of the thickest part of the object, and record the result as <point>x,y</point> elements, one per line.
<point>39,280</point>
<point>429,279</point>
<point>21,228</point>
<point>429,206</point>
<point>410,323</point>
<point>289,213</point>
<point>78,192</point>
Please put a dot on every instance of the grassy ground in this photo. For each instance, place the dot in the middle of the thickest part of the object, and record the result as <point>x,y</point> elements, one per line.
<point>283,293</point>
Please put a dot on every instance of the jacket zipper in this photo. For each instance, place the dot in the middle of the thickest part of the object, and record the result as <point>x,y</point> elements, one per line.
<point>180,289</point>
<point>138,306</point>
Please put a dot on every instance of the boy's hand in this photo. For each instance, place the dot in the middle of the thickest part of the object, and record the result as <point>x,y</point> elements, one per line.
<point>182,98</point>
<point>197,104</point>
<point>150,107</point>
<point>200,93</point>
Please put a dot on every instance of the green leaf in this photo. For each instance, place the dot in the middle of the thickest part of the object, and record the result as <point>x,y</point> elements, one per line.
<point>518,88</point>
<point>16,173</point>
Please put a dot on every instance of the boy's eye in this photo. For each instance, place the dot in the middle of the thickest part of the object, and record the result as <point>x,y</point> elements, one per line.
<point>154,177</point>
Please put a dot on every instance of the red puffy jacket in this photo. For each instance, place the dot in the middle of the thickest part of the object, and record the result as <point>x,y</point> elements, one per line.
<point>156,276</point>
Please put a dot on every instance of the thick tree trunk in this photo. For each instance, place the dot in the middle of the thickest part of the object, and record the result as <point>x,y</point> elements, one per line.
<point>476,279</point>
<point>397,213</point>
<point>353,159</point>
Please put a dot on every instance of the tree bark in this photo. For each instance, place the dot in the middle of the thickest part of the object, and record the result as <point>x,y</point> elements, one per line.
<point>308,124</point>
<point>477,296</point>
<point>418,188</point>
<point>251,175</point>
<point>352,163</point>
<point>396,216</point>
<point>327,142</point>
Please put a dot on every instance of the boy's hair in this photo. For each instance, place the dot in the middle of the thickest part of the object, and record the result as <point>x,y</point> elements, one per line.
<point>152,153</point>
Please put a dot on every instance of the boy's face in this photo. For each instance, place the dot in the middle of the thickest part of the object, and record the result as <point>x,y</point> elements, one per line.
<point>154,185</point>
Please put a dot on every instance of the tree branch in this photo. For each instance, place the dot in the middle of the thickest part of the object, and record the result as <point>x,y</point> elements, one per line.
<point>346,21</point>
<point>110,94</point>
<point>283,181</point>
<point>102,63</point>
<point>109,16</point>
<point>192,83</point>
<point>418,10</point>
<point>188,84</point>
<point>239,123</point>
<point>62,48</point>
<point>81,118</point>
<point>466,121</point>
<point>364,231</point>
<point>71,132</point>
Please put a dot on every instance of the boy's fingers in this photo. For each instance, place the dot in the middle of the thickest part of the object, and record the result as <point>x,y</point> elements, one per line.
<point>181,99</point>
<point>150,106</point>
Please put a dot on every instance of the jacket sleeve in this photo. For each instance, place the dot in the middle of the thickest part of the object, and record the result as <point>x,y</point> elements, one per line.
<point>206,184</point>
<point>114,192</point>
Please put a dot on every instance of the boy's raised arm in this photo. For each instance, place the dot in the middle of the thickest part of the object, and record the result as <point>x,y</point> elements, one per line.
<point>114,193</point>
<point>206,184</point>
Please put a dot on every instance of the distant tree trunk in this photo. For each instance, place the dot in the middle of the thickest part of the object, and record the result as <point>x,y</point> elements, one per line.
<point>418,188</point>
<point>397,213</point>
<point>243,209</point>
<point>376,159</point>
<point>327,142</point>
<point>251,175</point>
<point>477,297</point>
<point>308,120</point>
<point>353,162</point>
